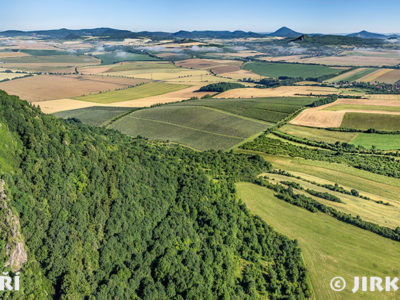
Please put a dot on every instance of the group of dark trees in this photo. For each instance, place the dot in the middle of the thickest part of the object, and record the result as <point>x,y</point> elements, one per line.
<point>220,87</point>
<point>107,216</point>
<point>322,195</point>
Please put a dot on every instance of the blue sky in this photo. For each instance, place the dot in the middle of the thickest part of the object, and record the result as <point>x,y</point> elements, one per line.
<point>325,16</point>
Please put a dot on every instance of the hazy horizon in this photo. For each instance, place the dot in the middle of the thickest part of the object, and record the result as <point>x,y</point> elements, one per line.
<point>311,16</point>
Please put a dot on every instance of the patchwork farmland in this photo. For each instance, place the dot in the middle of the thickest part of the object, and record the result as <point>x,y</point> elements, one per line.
<point>312,122</point>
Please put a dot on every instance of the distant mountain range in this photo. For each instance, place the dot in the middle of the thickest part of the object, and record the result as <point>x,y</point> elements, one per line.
<point>285,32</point>
<point>368,35</point>
<point>110,33</point>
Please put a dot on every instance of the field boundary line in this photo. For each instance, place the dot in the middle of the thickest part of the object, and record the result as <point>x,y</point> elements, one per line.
<point>109,122</point>
<point>190,128</point>
<point>229,113</point>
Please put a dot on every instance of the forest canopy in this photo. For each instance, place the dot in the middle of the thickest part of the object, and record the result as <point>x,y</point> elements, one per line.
<point>107,216</point>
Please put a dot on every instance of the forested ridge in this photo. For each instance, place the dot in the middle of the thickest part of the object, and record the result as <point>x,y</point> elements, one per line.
<point>105,216</point>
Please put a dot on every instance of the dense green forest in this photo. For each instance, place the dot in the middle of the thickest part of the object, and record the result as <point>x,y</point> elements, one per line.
<point>106,216</point>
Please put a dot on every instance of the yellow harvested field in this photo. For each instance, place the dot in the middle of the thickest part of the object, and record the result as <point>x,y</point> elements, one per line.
<point>245,53</point>
<point>318,118</point>
<point>12,54</point>
<point>216,65</point>
<point>94,69</point>
<point>240,74</point>
<point>374,75</point>
<point>287,58</point>
<point>200,79</point>
<point>282,91</point>
<point>345,75</point>
<point>159,74</point>
<point>53,106</point>
<point>389,77</point>
<point>386,97</point>
<point>49,87</point>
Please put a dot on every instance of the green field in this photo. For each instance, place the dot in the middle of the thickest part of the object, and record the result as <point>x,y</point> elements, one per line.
<point>198,127</point>
<point>291,70</point>
<point>265,109</point>
<point>339,107</point>
<point>317,134</point>
<point>137,92</point>
<point>359,74</point>
<point>377,187</point>
<point>368,210</point>
<point>330,247</point>
<point>380,141</point>
<point>96,115</point>
<point>365,121</point>
<point>118,56</point>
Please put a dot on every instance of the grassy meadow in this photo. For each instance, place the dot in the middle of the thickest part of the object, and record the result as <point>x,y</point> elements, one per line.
<point>380,141</point>
<point>330,248</point>
<point>369,210</point>
<point>375,186</point>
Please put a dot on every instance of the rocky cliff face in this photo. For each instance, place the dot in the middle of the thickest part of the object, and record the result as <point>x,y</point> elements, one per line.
<point>15,250</point>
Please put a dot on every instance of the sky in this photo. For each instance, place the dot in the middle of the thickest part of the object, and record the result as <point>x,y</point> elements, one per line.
<point>309,16</point>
